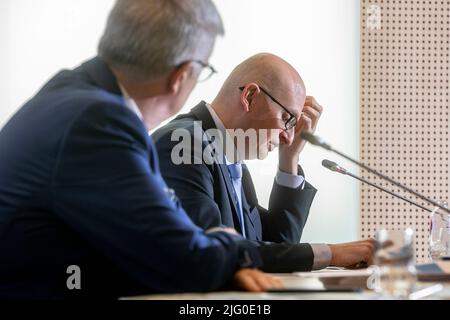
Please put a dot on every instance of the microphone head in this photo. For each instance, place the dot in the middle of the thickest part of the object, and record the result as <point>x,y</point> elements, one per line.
<point>329,164</point>
<point>314,140</point>
<point>333,166</point>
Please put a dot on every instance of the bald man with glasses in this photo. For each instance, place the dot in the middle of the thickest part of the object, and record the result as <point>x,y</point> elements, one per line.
<point>262,106</point>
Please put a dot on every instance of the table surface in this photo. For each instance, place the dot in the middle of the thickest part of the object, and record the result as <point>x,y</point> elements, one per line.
<point>311,281</point>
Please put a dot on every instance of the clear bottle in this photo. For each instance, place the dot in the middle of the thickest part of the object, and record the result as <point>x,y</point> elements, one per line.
<point>394,275</point>
<point>439,238</point>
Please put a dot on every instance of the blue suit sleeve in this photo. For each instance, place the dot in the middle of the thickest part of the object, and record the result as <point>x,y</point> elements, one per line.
<point>107,188</point>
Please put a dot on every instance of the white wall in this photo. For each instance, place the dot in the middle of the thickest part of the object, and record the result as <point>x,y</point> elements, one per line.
<point>43,37</point>
<point>319,37</point>
<point>5,26</point>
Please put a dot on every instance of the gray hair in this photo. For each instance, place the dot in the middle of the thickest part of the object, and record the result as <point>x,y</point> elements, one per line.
<point>151,37</point>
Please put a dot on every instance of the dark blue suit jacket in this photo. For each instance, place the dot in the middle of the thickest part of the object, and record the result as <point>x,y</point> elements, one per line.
<point>206,193</point>
<point>80,185</point>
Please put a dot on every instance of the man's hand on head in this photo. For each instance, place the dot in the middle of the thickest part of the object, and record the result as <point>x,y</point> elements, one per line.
<point>289,154</point>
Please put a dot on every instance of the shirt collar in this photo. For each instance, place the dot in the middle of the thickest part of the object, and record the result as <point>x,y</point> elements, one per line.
<point>221,127</point>
<point>130,103</point>
<point>219,124</point>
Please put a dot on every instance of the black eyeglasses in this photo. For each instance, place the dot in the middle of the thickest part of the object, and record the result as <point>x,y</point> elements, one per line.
<point>207,69</point>
<point>292,121</point>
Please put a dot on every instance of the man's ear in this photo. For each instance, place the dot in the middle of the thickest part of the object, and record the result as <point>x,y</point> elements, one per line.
<point>178,77</point>
<point>248,95</point>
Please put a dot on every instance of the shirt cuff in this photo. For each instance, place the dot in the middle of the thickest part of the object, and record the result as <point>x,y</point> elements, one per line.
<point>289,180</point>
<point>322,256</point>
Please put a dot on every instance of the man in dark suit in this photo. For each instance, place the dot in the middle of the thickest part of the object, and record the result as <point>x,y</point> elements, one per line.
<point>84,211</point>
<point>262,106</point>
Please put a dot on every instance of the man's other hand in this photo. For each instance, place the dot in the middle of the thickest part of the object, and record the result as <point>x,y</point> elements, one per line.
<point>358,254</point>
<point>256,281</point>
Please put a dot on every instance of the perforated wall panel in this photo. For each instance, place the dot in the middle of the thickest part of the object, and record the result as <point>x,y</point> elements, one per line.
<point>404,110</point>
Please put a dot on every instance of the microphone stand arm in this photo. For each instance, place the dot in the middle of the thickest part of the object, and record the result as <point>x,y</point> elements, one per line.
<point>387,191</point>
<point>382,176</point>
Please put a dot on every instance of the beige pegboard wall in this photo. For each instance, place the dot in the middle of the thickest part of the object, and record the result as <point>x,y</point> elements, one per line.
<point>404,110</point>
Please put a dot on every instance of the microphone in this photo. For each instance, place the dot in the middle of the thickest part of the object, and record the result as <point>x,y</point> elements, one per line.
<point>314,140</point>
<point>333,166</point>
<point>330,165</point>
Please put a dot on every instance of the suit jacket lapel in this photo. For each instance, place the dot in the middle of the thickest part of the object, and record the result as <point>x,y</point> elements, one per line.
<point>249,188</point>
<point>201,113</point>
<point>247,204</point>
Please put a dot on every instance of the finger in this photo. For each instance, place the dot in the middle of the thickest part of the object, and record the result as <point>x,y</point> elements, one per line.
<point>248,283</point>
<point>276,283</point>
<point>318,108</point>
<point>309,99</point>
<point>369,256</point>
<point>264,281</point>
<point>306,122</point>
<point>373,245</point>
<point>303,125</point>
<point>313,115</point>
<point>311,102</point>
<point>311,111</point>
